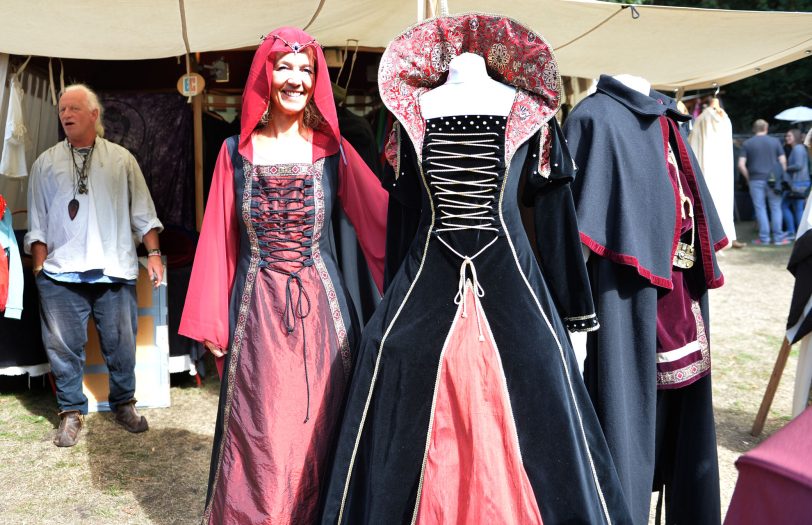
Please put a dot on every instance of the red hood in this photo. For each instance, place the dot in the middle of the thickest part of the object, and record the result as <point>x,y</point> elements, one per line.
<point>258,91</point>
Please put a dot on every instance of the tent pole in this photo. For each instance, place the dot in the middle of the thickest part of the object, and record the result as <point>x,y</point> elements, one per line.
<point>197,118</point>
<point>772,386</point>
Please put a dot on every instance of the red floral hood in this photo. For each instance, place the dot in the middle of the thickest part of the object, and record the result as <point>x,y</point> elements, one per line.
<point>258,90</point>
<point>417,61</point>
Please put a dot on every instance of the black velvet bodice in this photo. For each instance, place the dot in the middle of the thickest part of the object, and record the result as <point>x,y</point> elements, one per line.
<point>464,167</point>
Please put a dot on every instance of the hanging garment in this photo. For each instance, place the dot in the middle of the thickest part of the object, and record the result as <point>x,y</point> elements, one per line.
<point>266,287</point>
<point>11,269</point>
<point>799,320</point>
<point>466,405</point>
<point>629,215</point>
<point>12,160</point>
<point>712,142</point>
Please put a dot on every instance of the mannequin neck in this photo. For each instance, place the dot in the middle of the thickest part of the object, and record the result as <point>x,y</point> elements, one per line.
<point>467,91</point>
<point>638,84</point>
<point>467,68</point>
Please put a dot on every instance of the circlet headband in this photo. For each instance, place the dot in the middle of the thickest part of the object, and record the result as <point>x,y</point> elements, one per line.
<point>295,46</point>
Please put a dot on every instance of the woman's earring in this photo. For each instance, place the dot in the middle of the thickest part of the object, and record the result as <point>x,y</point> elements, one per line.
<point>266,117</point>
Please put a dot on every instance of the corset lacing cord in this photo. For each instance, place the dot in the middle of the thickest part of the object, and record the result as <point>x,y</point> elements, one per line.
<point>465,204</point>
<point>462,297</point>
<point>275,241</point>
<point>470,208</point>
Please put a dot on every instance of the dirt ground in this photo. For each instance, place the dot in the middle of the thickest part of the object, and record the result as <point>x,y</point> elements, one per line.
<point>159,477</point>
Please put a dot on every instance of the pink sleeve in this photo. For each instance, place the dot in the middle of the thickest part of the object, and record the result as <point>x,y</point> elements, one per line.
<point>365,202</point>
<point>205,314</point>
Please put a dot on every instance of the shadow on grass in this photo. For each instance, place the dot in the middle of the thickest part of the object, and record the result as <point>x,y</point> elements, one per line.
<point>34,394</point>
<point>733,428</point>
<point>166,470</point>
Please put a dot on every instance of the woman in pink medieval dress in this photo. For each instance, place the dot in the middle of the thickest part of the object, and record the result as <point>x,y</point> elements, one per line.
<point>266,295</point>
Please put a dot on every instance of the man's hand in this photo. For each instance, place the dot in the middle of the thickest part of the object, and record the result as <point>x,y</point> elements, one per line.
<point>155,269</point>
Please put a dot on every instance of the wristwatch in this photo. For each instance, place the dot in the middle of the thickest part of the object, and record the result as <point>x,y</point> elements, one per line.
<point>36,270</point>
<point>155,251</point>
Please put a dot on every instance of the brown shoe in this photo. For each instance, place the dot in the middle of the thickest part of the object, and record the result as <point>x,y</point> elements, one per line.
<point>71,422</point>
<point>739,245</point>
<point>127,417</point>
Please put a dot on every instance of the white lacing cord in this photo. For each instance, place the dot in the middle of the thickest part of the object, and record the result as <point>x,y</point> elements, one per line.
<point>478,195</point>
<point>465,204</point>
<point>462,296</point>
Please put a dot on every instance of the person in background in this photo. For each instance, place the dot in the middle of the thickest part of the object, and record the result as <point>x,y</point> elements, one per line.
<point>797,182</point>
<point>759,164</point>
<point>88,204</point>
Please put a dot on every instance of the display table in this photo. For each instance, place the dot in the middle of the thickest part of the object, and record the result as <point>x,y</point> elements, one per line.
<point>775,478</point>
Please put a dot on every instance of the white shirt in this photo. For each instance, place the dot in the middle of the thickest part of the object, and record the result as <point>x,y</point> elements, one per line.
<point>113,215</point>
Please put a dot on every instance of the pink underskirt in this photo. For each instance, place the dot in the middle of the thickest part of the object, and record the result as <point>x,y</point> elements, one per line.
<point>474,473</point>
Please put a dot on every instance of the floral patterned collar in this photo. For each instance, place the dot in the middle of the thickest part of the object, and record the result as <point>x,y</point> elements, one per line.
<point>417,61</point>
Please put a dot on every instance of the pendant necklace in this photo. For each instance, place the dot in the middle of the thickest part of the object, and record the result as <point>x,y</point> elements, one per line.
<point>80,177</point>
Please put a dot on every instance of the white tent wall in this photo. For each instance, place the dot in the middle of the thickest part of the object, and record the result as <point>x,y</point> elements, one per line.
<point>589,37</point>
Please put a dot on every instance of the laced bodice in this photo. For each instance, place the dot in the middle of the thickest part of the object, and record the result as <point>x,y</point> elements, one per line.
<point>464,170</point>
<point>283,221</point>
<point>283,216</point>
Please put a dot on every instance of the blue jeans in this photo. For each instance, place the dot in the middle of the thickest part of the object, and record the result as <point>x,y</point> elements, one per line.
<point>793,210</point>
<point>64,311</point>
<point>762,197</point>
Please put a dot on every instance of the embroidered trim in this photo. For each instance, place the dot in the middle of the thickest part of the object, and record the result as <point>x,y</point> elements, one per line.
<point>545,145</point>
<point>694,371</point>
<point>582,323</point>
<point>317,171</point>
<point>392,149</point>
<point>239,331</point>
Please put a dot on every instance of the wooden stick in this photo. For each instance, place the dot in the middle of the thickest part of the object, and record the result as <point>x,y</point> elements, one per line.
<point>197,116</point>
<point>772,386</point>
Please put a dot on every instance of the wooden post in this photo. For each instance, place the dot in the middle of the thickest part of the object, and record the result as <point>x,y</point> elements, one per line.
<point>772,386</point>
<point>197,117</point>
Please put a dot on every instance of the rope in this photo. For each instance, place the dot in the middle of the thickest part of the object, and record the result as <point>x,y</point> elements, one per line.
<point>316,14</point>
<point>582,35</point>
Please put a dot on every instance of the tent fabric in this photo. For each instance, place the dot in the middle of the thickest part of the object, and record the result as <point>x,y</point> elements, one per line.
<point>589,37</point>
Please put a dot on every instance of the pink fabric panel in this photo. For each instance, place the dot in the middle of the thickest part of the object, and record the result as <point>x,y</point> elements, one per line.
<point>365,202</point>
<point>474,472</point>
<point>272,460</point>
<point>205,313</point>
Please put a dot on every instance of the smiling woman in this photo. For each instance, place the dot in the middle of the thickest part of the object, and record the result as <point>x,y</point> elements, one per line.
<point>267,296</point>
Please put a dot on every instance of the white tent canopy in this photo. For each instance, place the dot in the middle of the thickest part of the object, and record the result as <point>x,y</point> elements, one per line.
<point>671,47</point>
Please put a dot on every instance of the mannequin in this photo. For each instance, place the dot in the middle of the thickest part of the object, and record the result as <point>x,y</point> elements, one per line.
<point>468,91</point>
<point>639,84</point>
<point>648,368</point>
<point>477,416</point>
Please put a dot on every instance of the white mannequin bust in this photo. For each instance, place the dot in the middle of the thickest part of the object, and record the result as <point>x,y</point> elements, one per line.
<point>468,91</point>
<point>639,84</point>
